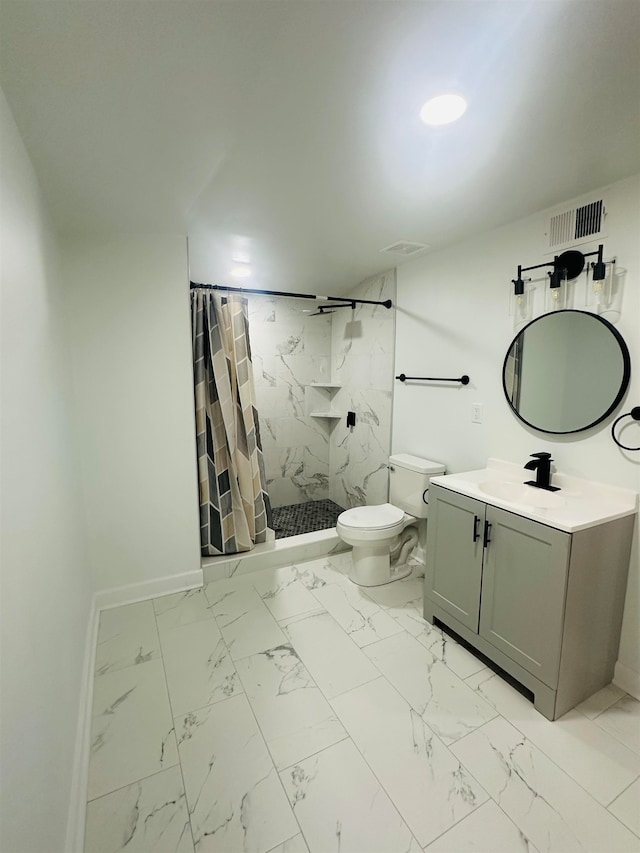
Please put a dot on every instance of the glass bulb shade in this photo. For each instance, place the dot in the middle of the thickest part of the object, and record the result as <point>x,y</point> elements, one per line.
<point>443,110</point>
<point>241,271</point>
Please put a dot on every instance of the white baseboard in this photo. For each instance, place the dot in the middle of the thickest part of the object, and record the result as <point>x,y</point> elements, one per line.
<point>80,773</point>
<point>144,590</point>
<point>627,679</point>
<point>104,600</point>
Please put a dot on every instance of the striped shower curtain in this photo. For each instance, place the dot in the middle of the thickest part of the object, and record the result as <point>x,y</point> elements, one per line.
<point>235,512</point>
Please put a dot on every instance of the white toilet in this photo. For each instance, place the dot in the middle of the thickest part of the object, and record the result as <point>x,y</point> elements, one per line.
<point>383,536</point>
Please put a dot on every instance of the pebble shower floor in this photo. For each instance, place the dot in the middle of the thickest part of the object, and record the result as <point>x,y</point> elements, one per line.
<point>289,711</point>
<point>304,518</point>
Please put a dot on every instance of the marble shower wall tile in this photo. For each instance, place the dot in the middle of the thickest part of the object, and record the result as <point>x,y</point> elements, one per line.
<point>362,356</point>
<point>290,351</point>
<point>235,798</point>
<point>540,798</point>
<point>148,816</point>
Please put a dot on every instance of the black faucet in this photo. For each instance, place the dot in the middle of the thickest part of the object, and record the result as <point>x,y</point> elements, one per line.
<point>541,464</point>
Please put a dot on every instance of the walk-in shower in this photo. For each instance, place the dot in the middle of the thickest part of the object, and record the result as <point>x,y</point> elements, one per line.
<point>312,365</point>
<point>314,361</point>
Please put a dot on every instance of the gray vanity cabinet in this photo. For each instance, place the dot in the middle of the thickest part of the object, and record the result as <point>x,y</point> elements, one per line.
<point>544,605</point>
<point>523,591</point>
<point>455,554</point>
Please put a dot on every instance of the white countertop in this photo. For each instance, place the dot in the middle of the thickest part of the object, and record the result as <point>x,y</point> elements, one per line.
<point>580,503</point>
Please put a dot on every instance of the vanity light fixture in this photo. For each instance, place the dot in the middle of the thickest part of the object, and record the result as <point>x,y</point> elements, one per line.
<point>520,301</point>
<point>566,267</point>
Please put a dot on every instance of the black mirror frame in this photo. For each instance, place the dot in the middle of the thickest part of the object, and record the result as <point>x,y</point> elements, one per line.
<point>626,359</point>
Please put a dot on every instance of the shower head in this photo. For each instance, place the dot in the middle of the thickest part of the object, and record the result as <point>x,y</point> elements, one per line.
<point>329,309</point>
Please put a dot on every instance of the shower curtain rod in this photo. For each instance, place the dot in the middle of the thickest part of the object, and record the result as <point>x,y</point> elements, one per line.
<point>387,302</point>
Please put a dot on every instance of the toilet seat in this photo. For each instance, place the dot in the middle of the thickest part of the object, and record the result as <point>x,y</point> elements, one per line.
<point>378,517</point>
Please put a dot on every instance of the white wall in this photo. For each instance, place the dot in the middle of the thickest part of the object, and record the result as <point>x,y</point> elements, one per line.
<point>452,318</point>
<point>46,585</point>
<point>129,328</point>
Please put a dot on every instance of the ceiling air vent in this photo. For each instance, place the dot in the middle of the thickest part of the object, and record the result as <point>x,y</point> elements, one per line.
<point>575,225</point>
<point>405,248</point>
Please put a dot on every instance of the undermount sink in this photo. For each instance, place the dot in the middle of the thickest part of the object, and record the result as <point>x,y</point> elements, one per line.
<point>519,493</point>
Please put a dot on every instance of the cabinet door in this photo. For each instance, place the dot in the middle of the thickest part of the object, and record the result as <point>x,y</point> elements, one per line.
<point>454,554</point>
<point>523,592</point>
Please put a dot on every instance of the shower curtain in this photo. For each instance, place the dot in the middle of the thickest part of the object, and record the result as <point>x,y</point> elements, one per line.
<point>234,505</point>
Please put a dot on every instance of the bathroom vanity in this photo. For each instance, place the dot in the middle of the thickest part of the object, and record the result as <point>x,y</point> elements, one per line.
<point>534,580</point>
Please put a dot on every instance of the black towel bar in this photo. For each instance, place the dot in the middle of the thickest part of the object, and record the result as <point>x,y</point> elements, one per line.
<point>464,380</point>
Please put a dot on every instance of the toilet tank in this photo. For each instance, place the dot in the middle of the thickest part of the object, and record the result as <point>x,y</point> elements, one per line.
<point>409,478</point>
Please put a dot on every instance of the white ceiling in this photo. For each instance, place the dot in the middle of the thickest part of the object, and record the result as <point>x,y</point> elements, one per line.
<point>288,131</point>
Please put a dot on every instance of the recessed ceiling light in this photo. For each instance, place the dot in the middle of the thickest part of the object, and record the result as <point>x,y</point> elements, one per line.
<point>443,109</point>
<point>241,271</point>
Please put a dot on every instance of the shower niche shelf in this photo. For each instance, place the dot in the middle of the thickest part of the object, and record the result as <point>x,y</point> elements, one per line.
<point>319,397</point>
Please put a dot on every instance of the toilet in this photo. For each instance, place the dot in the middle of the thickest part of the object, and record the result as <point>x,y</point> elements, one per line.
<point>384,536</point>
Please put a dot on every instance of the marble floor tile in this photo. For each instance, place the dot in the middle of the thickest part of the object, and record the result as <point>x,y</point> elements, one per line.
<point>626,807</point>
<point>293,845</point>
<point>127,636</point>
<point>448,706</point>
<point>600,701</point>
<point>284,594</point>
<point>235,798</point>
<point>198,666</point>
<point>622,721</point>
<point>335,662</point>
<point>132,731</point>
<point>486,830</point>
<point>442,646</point>
<point>246,625</point>
<point>148,816</point>
<point>546,804</point>
<point>363,620</point>
<point>603,766</point>
<point>319,572</point>
<point>294,717</point>
<point>341,806</point>
<point>181,608</point>
<point>397,593</point>
<point>426,783</point>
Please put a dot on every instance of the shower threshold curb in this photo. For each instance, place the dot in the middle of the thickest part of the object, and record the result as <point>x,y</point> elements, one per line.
<point>275,554</point>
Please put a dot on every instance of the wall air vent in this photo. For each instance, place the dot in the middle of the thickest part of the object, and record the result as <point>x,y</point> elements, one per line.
<point>405,248</point>
<point>577,224</point>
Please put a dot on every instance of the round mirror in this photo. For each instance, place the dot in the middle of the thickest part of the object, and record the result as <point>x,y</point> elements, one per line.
<point>566,371</point>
